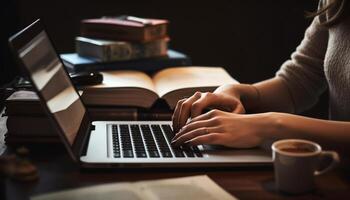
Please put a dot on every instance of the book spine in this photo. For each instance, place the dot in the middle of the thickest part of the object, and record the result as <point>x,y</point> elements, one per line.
<point>117,52</point>
<point>145,65</point>
<point>120,51</point>
<point>34,110</point>
<point>34,126</point>
<point>85,48</point>
<point>154,32</point>
<point>110,32</point>
<point>129,51</point>
<point>13,140</point>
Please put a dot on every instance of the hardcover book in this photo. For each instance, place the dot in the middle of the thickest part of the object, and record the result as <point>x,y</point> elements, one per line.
<point>109,50</point>
<point>75,63</point>
<point>124,28</point>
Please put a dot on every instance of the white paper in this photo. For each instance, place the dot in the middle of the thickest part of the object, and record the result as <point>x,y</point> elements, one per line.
<point>194,188</point>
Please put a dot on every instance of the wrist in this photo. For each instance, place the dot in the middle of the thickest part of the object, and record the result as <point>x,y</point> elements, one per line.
<point>249,96</point>
<point>275,126</point>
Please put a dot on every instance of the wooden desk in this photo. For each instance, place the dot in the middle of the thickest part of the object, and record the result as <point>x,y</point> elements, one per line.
<point>58,172</point>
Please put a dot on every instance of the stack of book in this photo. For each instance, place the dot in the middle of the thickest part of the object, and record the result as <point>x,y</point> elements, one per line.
<point>123,42</point>
<point>26,121</point>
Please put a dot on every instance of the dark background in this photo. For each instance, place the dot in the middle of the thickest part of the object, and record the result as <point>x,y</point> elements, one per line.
<point>250,38</point>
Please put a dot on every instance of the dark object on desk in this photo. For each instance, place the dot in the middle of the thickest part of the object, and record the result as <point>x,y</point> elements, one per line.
<point>18,167</point>
<point>24,169</point>
<point>86,78</point>
<point>125,28</point>
<point>7,165</point>
<point>76,63</point>
<point>22,83</point>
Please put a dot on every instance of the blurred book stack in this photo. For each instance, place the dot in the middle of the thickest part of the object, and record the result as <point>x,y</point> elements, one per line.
<point>123,42</point>
<point>27,121</point>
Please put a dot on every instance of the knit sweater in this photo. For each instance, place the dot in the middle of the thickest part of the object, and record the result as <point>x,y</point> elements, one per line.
<point>321,62</point>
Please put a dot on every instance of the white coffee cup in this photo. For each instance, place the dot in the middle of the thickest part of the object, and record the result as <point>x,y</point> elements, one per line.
<point>296,162</point>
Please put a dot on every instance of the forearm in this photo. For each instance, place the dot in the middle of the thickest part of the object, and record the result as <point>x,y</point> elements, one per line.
<point>266,96</point>
<point>285,125</point>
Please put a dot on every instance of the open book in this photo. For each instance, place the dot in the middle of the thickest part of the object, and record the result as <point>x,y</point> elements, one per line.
<point>194,188</point>
<point>135,88</point>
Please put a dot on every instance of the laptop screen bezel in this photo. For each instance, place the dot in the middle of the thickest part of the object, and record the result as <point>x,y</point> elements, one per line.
<point>18,41</point>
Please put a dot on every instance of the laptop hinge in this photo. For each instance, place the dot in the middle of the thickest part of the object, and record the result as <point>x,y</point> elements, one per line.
<point>87,139</point>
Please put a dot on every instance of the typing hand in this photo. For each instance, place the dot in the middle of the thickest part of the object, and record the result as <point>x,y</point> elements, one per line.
<point>224,128</point>
<point>225,98</point>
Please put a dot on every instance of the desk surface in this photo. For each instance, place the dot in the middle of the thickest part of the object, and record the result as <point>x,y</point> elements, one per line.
<point>58,172</point>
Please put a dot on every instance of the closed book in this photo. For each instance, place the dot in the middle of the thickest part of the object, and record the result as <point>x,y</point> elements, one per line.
<point>27,126</point>
<point>117,28</point>
<point>109,50</point>
<point>76,63</point>
<point>23,103</point>
<point>13,139</point>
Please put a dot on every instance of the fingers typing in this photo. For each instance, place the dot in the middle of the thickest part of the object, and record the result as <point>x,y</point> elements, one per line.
<point>175,117</point>
<point>185,109</point>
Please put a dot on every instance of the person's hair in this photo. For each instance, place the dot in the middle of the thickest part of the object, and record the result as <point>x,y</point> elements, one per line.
<point>340,8</point>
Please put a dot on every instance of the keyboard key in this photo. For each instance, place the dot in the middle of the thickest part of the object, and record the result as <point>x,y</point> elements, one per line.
<point>125,141</point>
<point>128,154</point>
<point>125,138</point>
<point>116,155</point>
<point>188,152</point>
<point>168,132</point>
<point>137,140</point>
<point>141,154</point>
<point>149,141</point>
<point>178,153</point>
<point>161,141</point>
<point>196,151</point>
<point>115,138</point>
<point>166,154</point>
<point>153,154</point>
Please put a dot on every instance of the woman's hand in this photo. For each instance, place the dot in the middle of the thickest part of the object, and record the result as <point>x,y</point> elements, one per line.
<point>227,98</point>
<point>228,129</point>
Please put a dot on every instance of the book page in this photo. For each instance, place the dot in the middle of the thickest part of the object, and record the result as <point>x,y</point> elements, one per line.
<point>172,79</point>
<point>193,187</point>
<point>23,95</point>
<point>123,191</point>
<point>125,79</point>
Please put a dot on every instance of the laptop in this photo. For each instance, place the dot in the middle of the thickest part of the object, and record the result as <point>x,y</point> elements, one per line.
<point>100,144</point>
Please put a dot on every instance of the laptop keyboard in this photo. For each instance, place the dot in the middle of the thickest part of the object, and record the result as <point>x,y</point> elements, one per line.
<point>148,141</point>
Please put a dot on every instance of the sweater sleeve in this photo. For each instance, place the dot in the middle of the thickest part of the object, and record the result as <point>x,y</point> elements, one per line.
<point>304,72</point>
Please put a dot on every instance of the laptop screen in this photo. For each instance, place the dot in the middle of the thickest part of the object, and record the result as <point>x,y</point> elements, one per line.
<point>52,82</point>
